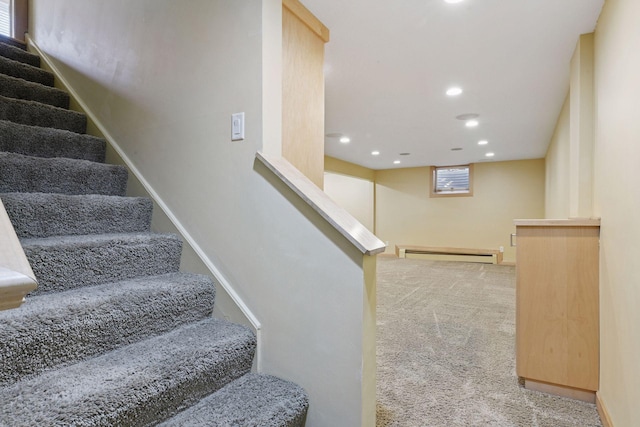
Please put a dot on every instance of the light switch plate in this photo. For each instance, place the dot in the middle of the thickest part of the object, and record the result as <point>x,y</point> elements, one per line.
<point>237,127</point>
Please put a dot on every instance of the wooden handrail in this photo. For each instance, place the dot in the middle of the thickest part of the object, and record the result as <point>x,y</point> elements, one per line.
<point>335,215</point>
<point>16,277</point>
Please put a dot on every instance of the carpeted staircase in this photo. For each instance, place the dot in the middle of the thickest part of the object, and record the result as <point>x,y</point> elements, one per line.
<point>114,335</point>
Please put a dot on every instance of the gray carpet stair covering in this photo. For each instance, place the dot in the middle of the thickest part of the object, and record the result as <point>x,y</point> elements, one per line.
<point>13,87</point>
<point>115,334</point>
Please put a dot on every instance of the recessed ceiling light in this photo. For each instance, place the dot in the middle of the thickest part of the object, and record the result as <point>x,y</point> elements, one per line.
<point>345,140</point>
<point>453,1</point>
<point>490,154</point>
<point>454,91</point>
<point>483,142</point>
<point>375,153</point>
<point>472,123</point>
<point>468,116</point>
<point>396,162</point>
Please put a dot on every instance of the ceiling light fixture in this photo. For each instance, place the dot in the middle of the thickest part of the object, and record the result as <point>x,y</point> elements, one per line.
<point>490,154</point>
<point>396,162</point>
<point>453,1</point>
<point>471,123</point>
<point>375,153</point>
<point>483,142</point>
<point>345,140</point>
<point>454,91</point>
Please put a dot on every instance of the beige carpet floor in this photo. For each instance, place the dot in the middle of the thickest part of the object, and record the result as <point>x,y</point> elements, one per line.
<point>446,350</point>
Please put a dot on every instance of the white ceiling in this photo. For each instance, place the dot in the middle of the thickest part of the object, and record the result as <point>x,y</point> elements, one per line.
<point>389,63</point>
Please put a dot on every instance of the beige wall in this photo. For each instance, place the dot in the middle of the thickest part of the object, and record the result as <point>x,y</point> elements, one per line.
<point>503,191</point>
<point>163,80</point>
<point>581,131</point>
<point>557,168</point>
<point>352,187</point>
<point>352,193</point>
<point>331,164</point>
<point>617,201</point>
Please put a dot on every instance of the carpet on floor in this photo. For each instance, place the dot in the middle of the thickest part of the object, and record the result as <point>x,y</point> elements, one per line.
<point>446,351</point>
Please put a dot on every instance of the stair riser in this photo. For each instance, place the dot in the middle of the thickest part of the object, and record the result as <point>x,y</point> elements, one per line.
<point>47,142</point>
<point>67,266</point>
<point>137,385</point>
<point>26,72</point>
<point>253,400</point>
<point>12,42</point>
<point>18,54</point>
<point>25,174</point>
<point>190,390</point>
<point>97,319</point>
<point>44,215</point>
<point>12,87</point>
<point>36,114</point>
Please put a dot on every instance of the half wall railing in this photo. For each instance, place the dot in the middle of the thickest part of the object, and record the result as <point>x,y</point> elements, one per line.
<point>340,219</point>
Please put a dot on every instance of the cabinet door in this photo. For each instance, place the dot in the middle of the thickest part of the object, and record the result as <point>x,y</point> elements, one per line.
<point>557,329</point>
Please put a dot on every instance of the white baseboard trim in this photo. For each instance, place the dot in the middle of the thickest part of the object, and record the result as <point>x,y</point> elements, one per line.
<point>215,272</point>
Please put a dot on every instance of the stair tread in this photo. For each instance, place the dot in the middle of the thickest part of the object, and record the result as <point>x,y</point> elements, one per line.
<point>67,262</point>
<point>252,400</point>
<point>92,320</point>
<point>13,42</point>
<point>27,174</point>
<point>38,114</point>
<point>14,87</point>
<point>24,71</point>
<point>50,214</point>
<point>134,385</point>
<point>39,141</point>
<point>18,54</point>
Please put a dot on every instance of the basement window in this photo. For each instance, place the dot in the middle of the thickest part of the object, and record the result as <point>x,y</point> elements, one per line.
<point>452,181</point>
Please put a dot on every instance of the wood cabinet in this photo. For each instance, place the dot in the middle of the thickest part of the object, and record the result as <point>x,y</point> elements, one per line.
<point>557,303</point>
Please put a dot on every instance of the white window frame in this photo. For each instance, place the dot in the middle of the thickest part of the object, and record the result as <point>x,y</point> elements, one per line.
<point>455,192</point>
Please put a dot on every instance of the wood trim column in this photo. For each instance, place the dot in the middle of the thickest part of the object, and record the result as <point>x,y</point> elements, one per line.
<point>303,39</point>
<point>20,19</point>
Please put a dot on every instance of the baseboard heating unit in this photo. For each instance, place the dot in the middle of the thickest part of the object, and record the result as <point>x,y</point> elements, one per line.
<point>486,256</point>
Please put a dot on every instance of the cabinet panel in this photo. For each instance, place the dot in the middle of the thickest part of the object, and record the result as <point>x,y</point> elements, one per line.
<point>557,329</point>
